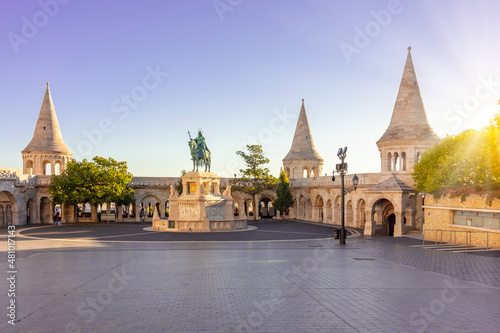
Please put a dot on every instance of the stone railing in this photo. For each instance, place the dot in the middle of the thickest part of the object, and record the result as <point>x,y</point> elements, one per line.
<point>153,181</point>
<point>17,176</point>
<point>364,179</point>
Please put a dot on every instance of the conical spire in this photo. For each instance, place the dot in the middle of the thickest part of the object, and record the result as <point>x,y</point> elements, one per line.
<point>302,144</point>
<point>409,119</point>
<point>47,136</point>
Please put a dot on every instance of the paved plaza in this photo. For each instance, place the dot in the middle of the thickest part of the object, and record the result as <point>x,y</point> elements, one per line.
<point>280,277</point>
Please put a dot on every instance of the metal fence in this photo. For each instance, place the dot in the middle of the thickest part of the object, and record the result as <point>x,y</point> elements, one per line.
<point>446,237</point>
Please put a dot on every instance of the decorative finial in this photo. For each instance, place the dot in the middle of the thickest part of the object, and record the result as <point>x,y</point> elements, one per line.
<point>302,101</point>
<point>47,84</point>
<point>409,48</point>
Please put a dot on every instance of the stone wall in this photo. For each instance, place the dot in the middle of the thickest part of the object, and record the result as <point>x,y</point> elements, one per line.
<point>439,221</point>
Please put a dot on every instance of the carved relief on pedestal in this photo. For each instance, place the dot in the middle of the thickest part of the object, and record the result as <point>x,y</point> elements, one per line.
<point>189,209</point>
<point>215,212</point>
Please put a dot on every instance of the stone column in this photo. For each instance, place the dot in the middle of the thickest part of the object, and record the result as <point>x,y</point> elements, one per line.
<point>93,213</point>
<point>369,225</point>
<point>325,214</point>
<point>314,214</point>
<point>164,210</point>
<point>241,209</point>
<point>137,211</point>
<point>399,228</point>
<point>119,213</point>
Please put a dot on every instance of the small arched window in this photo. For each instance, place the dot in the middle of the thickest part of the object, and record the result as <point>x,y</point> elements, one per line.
<point>396,162</point>
<point>47,168</point>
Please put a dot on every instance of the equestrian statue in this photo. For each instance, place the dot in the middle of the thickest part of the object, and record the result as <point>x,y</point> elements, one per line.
<point>200,154</point>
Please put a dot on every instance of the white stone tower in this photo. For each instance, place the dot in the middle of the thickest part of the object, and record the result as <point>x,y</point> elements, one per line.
<point>303,160</point>
<point>46,154</point>
<point>409,134</point>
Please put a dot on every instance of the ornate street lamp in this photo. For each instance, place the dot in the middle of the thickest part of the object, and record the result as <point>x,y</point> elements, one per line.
<point>342,170</point>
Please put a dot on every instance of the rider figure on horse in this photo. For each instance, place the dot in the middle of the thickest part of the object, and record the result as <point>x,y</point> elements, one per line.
<point>199,151</point>
<point>201,144</point>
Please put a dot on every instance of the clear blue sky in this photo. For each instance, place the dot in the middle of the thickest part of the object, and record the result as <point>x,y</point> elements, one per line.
<point>232,67</point>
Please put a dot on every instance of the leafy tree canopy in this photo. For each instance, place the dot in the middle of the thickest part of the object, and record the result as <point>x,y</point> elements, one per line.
<point>99,181</point>
<point>284,197</point>
<point>255,178</point>
<point>465,163</point>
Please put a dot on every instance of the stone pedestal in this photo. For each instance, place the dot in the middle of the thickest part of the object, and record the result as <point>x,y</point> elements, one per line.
<point>201,207</point>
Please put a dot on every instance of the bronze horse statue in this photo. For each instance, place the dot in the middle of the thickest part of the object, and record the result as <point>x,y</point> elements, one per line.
<point>199,152</point>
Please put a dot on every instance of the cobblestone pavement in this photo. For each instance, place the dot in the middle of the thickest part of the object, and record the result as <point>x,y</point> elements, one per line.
<point>93,282</point>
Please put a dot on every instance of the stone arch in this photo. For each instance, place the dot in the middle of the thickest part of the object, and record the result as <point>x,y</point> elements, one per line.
<point>9,211</point>
<point>419,156</point>
<point>396,162</point>
<point>314,172</point>
<point>305,172</point>
<point>384,217</point>
<point>295,173</point>
<point>337,210</point>
<point>349,214</point>
<point>329,211</point>
<point>47,167</point>
<point>403,161</point>
<point>236,209</point>
<point>249,207</point>
<point>265,206</point>
<point>302,207</point>
<point>308,209</point>
<point>29,167</point>
<point>318,206</point>
<point>287,171</point>
<point>361,213</point>
<point>389,162</point>
<point>31,211</point>
<point>45,210</point>
<point>149,202</point>
<point>58,167</point>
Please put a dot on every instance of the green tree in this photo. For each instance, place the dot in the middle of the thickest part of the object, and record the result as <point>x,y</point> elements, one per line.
<point>99,181</point>
<point>178,187</point>
<point>255,178</point>
<point>284,197</point>
<point>462,164</point>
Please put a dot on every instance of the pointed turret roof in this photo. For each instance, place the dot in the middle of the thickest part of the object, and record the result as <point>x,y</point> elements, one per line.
<point>302,144</point>
<point>409,119</point>
<point>47,136</point>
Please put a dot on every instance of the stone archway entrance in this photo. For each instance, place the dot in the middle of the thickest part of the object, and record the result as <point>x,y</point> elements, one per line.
<point>266,209</point>
<point>384,217</point>
<point>391,221</point>
<point>8,209</point>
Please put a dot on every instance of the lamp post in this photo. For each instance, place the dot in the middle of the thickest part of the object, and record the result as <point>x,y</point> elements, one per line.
<point>342,170</point>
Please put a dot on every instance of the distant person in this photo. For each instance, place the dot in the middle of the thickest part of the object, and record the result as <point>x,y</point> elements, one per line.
<point>57,216</point>
<point>143,216</point>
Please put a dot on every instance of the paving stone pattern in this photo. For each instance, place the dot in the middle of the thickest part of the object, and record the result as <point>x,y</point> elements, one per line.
<point>247,286</point>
